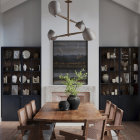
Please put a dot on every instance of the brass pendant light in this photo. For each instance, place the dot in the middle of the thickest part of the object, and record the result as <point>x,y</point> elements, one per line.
<point>55,10</point>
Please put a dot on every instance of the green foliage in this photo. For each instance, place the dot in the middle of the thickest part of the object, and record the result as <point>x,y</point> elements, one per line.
<point>72,84</point>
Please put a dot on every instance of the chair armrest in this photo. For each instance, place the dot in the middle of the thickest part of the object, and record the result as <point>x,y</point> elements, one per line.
<point>71,135</point>
<point>101,111</point>
<point>112,127</point>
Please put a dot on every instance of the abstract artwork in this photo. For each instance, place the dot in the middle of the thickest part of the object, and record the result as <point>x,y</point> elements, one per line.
<point>69,56</point>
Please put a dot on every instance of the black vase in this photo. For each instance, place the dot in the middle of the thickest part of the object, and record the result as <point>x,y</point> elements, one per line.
<point>64,105</point>
<point>74,102</point>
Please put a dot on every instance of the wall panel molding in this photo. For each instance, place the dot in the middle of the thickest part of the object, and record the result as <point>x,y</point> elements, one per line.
<point>9,4</point>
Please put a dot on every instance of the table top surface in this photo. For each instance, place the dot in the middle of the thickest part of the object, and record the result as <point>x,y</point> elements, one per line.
<point>51,113</point>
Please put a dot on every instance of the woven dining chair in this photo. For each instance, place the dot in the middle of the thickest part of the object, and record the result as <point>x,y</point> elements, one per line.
<point>112,113</point>
<point>33,104</point>
<point>107,108</point>
<point>117,125</point>
<point>29,111</point>
<point>32,131</point>
<point>94,129</point>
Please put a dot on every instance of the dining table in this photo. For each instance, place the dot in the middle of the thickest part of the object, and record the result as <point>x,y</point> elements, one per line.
<point>50,113</point>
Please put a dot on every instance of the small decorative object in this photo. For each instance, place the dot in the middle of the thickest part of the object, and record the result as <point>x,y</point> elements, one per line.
<point>72,84</point>
<point>117,79</point>
<point>8,54</point>
<point>14,90</point>
<point>135,78</point>
<point>113,80</point>
<point>26,91</point>
<point>28,80</point>
<point>105,78</point>
<point>64,105</point>
<point>124,64</point>
<point>26,54</point>
<point>16,54</point>
<point>108,55</point>
<point>135,67</point>
<point>35,79</point>
<point>24,67</point>
<point>112,93</point>
<point>14,79</point>
<point>55,10</point>
<point>5,80</point>
<point>16,68</point>
<point>126,77</point>
<point>113,56</point>
<point>104,68</point>
<point>24,79</point>
<point>116,92</point>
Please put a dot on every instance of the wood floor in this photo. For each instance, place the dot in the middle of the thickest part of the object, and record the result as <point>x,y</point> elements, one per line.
<point>8,130</point>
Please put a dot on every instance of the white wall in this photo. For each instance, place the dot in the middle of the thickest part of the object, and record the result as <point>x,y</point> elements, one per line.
<point>119,26</point>
<point>22,25</point>
<point>86,10</point>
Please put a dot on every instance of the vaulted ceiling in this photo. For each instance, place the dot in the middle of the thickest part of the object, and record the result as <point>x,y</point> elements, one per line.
<point>8,4</point>
<point>133,5</point>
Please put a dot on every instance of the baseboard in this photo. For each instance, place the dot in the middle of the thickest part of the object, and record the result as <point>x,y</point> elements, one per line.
<point>69,124</point>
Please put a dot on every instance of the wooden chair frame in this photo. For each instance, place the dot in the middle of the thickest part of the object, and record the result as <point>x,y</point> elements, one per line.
<point>117,128</point>
<point>71,136</point>
<point>106,112</point>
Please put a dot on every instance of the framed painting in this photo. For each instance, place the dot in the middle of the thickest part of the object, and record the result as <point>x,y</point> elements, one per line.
<point>68,57</point>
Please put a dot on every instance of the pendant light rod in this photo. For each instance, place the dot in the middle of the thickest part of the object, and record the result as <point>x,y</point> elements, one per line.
<point>67,34</point>
<point>66,18</point>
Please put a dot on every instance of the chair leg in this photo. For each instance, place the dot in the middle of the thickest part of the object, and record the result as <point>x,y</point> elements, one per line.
<point>53,135</point>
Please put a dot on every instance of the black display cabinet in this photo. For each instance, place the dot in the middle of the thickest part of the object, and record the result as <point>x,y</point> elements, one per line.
<point>119,79</point>
<point>20,79</point>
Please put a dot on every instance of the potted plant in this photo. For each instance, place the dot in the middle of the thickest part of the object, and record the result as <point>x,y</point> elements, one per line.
<point>72,85</point>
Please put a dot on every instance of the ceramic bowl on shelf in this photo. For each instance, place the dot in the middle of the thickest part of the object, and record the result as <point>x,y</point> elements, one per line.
<point>26,54</point>
<point>105,78</point>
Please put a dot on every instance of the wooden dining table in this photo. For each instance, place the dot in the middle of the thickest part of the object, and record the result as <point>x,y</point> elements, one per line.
<point>50,113</point>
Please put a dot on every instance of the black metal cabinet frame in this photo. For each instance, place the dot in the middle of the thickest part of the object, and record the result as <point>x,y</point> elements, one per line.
<point>129,103</point>
<point>11,103</point>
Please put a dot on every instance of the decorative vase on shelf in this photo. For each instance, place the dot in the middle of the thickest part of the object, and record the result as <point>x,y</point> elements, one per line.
<point>105,78</point>
<point>74,102</point>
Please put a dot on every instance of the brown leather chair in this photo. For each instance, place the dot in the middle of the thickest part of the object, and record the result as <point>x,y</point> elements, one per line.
<point>33,104</point>
<point>107,108</point>
<point>93,129</point>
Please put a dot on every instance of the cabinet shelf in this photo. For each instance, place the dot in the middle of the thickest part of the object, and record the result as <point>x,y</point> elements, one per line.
<point>13,94</point>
